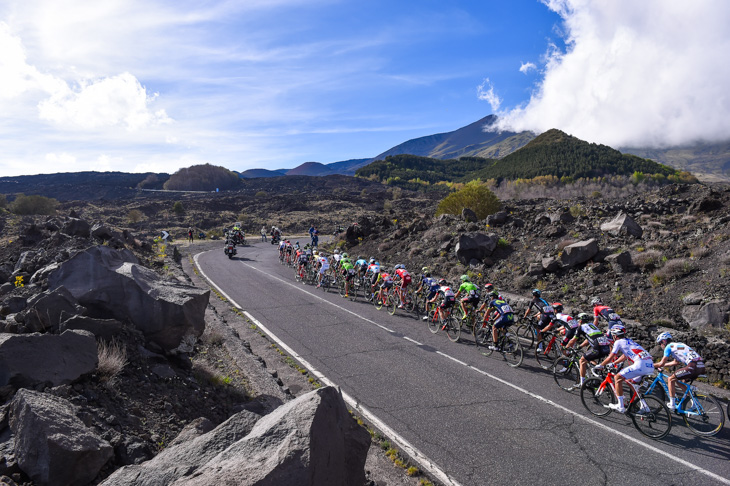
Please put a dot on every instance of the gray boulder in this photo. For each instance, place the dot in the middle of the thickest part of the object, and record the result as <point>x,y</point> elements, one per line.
<point>551,265</point>
<point>705,315</point>
<point>52,446</point>
<point>475,246</point>
<point>44,310</point>
<point>498,219</point>
<point>105,329</point>
<point>110,282</point>
<point>309,441</point>
<point>76,227</point>
<point>620,262</point>
<point>622,225</point>
<point>578,253</point>
<point>189,452</point>
<point>469,215</point>
<point>28,359</point>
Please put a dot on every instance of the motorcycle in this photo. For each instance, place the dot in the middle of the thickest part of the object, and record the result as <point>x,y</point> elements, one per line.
<point>229,249</point>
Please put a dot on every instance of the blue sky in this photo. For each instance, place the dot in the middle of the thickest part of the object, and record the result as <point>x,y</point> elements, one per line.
<point>139,86</point>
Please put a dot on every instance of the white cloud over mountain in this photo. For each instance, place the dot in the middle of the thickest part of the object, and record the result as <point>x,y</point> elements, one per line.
<point>641,73</point>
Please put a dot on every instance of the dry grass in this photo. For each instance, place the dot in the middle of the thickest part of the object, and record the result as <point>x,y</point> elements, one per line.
<point>672,269</point>
<point>112,360</point>
<point>647,259</point>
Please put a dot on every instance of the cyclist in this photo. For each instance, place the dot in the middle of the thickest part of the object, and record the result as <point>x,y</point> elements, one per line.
<point>544,310</point>
<point>676,354</point>
<point>447,295</point>
<point>373,266</point>
<point>506,316</point>
<point>336,259</point>
<point>361,265</point>
<point>641,363</point>
<point>470,291</point>
<point>404,278</point>
<point>604,312</point>
<point>429,285</point>
<point>563,321</point>
<point>386,281</point>
<point>489,288</point>
<point>324,265</point>
<point>373,273</point>
<point>594,337</point>
<point>348,271</point>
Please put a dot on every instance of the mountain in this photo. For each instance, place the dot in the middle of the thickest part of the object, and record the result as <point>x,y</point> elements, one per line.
<point>310,169</point>
<point>469,141</point>
<point>555,153</point>
<point>254,173</point>
<point>708,161</point>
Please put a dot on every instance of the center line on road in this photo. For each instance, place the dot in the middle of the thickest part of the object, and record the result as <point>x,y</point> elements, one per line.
<point>413,341</point>
<point>429,466</point>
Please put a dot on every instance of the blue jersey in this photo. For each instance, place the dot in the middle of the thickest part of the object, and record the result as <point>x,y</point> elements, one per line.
<point>502,307</point>
<point>361,263</point>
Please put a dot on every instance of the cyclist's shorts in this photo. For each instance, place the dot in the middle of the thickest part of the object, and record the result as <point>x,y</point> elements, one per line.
<point>386,285</point>
<point>597,353</point>
<point>471,300</point>
<point>349,275</point>
<point>504,321</point>
<point>545,320</point>
<point>691,371</point>
<point>324,269</point>
<point>447,302</point>
<point>638,368</point>
<point>431,294</point>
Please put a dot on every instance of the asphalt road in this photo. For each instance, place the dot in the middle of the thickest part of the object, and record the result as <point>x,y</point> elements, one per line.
<point>476,419</point>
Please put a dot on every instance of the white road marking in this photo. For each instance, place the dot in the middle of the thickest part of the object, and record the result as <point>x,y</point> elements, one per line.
<point>422,460</point>
<point>413,341</point>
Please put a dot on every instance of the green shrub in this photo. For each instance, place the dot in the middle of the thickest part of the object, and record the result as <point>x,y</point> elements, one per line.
<point>202,178</point>
<point>134,216</point>
<point>474,195</point>
<point>34,204</point>
<point>178,208</point>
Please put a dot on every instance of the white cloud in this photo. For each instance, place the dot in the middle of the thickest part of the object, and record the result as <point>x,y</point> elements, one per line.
<point>118,100</point>
<point>635,73</point>
<point>485,92</point>
<point>526,67</point>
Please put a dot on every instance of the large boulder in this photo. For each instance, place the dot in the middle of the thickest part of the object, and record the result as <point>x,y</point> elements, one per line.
<point>110,283</point>
<point>45,311</point>
<point>622,225</point>
<point>309,441</point>
<point>475,246</point>
<point>706,314</point>
<point>76,227</point>
<point>106,329</point>
<point>52,446</point>
<point>29,359</point>
<point>578,253</point>
<point>184,457</point>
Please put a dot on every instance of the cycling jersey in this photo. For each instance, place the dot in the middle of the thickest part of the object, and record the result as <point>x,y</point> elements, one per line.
<point>346,264</point>
<point>386,280</point>
<point>469,289</point>
<point>681,352</point>
<point>374,268</point>
<point>608,314</point>
<point>542,306</point>
<point>361,263</point>
<point>336,257</point>
<point>631,350</point>
<point>567,321</point>
<point>506,315</point>
<point>404,276</point>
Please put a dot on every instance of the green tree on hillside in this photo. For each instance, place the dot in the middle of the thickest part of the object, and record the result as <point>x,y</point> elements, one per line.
<point>33,204</point>
<point>203,178</point>
<point>474,195</point>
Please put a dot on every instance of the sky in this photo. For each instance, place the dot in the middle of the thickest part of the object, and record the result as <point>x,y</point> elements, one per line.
<point>158,85</point>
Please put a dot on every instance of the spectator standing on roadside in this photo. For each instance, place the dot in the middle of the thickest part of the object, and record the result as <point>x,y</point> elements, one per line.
<point>263,233</point>
<point>315,237</point>
<point>311,234</point>
<point>190,234</point>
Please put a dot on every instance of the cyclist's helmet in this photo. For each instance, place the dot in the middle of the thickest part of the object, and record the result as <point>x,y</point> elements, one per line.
<point>297,243</point>
<point>536,292</point>
<point>464,278</point>
<point>583,317</point>
<point>618,331</point>
<point>400,265</point>
<point>336,251</point>
<point>360,257</point>
<point>558,307</point>
<point>372,260</point>
<point>443,282</point>
<point>489,287</point>
<point>663,336</point>
<point>344,255</point>
<point>424,269</point>
<point>494,294</point>
<point>596,301</point>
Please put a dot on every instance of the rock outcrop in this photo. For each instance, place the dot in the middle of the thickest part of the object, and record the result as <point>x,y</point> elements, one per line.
<point>52,446</point>
<point>111,282</point>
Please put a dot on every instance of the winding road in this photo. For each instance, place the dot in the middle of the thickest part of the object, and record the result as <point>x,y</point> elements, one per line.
<point>465,418</point>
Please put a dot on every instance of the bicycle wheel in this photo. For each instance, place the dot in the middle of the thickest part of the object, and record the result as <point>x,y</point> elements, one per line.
<point>434,322</point>
<point>483,335</point>
<point>341,288</point>
<point>546,353</point>
<point>526,335</point>
<point>354,291</point>
<point>391,303</point>
<point>656,390</point>
<point>566,373</point>
<point>703,414</point>
<point>651,418</point>
<point>452,326</point>
<point>378,301</point>
<point>594,401</point>
<point>512,350</point>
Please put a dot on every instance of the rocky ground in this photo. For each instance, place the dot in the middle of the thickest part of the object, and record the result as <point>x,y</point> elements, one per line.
<point>674,275</point>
